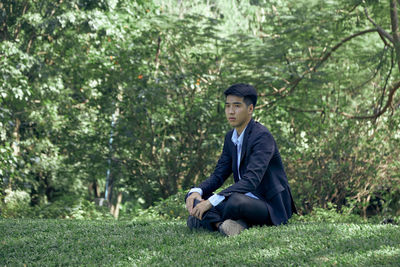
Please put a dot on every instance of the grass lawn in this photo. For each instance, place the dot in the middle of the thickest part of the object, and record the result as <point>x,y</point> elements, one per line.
<point>170,243</point>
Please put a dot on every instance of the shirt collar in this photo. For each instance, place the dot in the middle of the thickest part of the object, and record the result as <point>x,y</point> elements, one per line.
<point>238,140</point>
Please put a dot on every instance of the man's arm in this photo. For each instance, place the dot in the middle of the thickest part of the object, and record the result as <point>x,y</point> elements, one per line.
<point>205,189</point>
<point>221,171</point>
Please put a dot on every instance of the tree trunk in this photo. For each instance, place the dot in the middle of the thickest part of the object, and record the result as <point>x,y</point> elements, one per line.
<point>115,209</point>
<point>15,144</point>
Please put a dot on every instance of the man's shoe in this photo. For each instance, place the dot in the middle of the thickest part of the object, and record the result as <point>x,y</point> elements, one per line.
<point>230,227</point>
<point>193,223</point>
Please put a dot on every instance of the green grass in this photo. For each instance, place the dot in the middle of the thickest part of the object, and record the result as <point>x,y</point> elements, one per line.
<point>170,243</point>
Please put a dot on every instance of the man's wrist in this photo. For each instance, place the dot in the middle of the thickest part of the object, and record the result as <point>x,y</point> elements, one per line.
<point>196,190</point>
<point>194,195</point>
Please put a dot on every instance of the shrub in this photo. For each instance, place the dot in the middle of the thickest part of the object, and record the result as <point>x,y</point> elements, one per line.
<point>71,207</point>
<point>329,215</point>
<point>15,204</point>
<point>172,207</point>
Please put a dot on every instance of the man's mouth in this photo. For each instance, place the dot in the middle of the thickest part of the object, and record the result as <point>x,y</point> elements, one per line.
<point>231,119</point>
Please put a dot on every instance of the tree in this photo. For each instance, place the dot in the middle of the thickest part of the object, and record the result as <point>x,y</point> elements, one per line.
<point>150,75</point>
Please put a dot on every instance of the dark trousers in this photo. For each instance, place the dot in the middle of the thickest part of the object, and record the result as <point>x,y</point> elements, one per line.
<point>237,206</point>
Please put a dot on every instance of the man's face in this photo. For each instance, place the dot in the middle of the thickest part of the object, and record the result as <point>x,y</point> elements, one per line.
<point>236,111</point>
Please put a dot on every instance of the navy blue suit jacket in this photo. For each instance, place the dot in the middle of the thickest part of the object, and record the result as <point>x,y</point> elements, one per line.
<point>261,172</point>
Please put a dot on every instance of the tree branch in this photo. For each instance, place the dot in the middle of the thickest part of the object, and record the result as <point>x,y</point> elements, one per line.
<point>392,92</point>
<point>384,40</point>
<point>355,6</point>
<point>327,55</point>
<point>322,111</point>
<point>156,60</point>
<point>376,71</point>
<point>324,58</point>
<point>33,36</point>
<point>387,77</point>
<point>18,29</point>
<point>380,29</point>
<point>395,26</point>
<point>396,41</point>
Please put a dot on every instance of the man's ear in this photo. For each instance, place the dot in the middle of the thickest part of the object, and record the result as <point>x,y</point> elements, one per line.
<point>251,108</point>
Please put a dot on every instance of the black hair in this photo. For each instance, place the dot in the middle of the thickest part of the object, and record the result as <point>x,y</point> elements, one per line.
<point>246,91</point>
<point>248,101</point>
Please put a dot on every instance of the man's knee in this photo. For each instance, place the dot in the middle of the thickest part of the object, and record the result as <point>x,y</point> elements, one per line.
<point>236,203</point>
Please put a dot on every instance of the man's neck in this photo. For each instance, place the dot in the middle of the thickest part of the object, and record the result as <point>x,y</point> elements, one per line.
<point>240,129</point>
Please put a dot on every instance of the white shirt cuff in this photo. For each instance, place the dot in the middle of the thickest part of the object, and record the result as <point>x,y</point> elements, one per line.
<point>197,190</point>
<point>216,199</point>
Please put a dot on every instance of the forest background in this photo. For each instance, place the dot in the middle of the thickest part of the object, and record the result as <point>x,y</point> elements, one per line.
<point>123,100</point>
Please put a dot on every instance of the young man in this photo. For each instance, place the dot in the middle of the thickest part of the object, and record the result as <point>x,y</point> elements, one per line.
<point>261,193</point>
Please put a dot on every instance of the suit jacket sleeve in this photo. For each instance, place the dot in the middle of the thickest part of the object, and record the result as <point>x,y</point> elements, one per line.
<point>222,171</point>
<point>258,156</point>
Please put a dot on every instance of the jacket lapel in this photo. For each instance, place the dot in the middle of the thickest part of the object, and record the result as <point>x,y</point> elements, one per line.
<point>245,140</point>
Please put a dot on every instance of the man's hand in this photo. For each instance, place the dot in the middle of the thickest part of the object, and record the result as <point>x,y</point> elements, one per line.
<point>201,208</point>
<point>190,201</point>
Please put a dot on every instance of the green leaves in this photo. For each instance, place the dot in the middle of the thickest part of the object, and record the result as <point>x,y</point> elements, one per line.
<point>161,68</point>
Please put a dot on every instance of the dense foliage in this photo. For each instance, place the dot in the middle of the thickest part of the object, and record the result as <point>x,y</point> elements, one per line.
<point>131,92</point>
